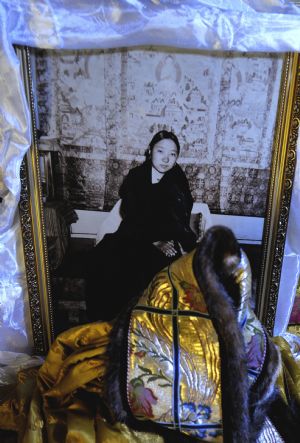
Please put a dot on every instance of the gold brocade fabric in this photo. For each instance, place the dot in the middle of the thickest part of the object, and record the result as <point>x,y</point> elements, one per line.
<point>173,375</point>
<point>174,360</point>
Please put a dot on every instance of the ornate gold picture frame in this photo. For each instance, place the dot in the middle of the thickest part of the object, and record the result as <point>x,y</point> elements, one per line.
<point>275,221</point>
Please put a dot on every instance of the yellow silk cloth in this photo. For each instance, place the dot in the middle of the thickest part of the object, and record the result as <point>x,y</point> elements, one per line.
<point>26,406</point>
<point>290,375</point>
<point>61,401</point>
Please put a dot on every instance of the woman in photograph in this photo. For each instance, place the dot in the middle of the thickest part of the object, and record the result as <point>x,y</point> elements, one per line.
<point>156,205</point>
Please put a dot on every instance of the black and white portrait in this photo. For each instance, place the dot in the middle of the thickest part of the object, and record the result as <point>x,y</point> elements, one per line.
<point>98,110</point>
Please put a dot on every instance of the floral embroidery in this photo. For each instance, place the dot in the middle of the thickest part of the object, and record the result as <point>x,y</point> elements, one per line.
<point>207,435</point>
<point>140,354</point>
<point>152,376</point>
<point>154,361</point>
<point>253,327</point>
<point>192,413</point>
<point>192,297</point>
<point>141,399</point>
<point>146,344</point>
<point>254,343</point>
<point>201,433</point>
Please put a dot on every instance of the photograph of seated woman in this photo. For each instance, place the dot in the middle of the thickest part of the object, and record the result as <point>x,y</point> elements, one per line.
<point>156,205</point>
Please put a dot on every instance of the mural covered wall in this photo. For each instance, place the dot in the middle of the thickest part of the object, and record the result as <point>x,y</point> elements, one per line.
<point>97,110</point>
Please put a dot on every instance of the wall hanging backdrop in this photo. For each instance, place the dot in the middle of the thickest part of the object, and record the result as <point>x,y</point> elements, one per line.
<point>269,26</point>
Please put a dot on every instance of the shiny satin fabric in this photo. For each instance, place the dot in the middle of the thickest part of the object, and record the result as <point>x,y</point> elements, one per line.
<point>60,401</point>
<point>243,26</point>
<point>14,141</point>
<point>291,369</point>
<point>174,361</point>
<point>249,25</point>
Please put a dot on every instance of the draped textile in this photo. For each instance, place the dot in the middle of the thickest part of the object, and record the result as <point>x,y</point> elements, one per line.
<point>61,399</point>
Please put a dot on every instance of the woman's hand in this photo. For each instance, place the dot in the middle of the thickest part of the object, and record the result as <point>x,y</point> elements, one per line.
<point>167,247</point>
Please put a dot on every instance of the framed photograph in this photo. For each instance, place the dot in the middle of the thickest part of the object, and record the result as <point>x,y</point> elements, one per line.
<point>94,113</point>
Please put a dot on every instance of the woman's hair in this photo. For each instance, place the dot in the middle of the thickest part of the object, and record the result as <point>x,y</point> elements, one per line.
<point>160,136</point>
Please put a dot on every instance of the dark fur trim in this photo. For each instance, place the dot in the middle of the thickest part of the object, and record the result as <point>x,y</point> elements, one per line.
<point>217,244</point>
<point>286,419</point>
<point>265,399</point>
<point>262,393</point>
<point>117,357</point>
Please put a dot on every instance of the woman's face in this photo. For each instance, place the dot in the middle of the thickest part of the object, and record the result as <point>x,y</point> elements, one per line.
<point>164,155</point>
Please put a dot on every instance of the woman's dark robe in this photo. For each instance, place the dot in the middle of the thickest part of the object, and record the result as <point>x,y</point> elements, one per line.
<point>124,262</point>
